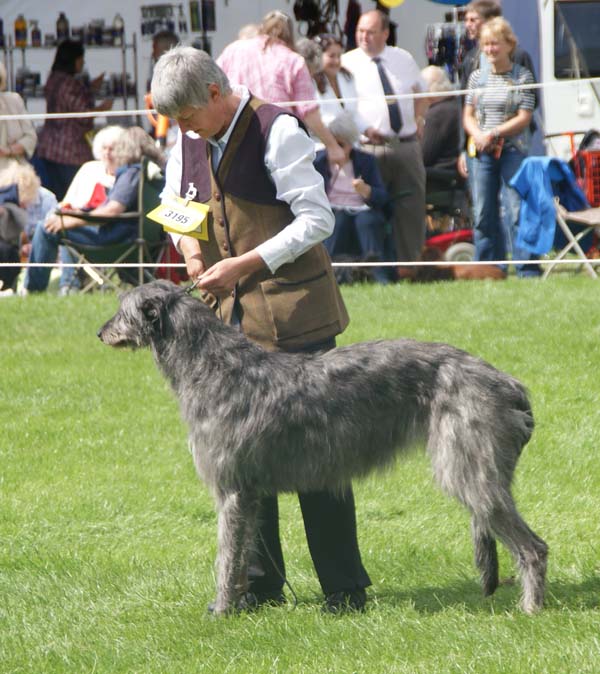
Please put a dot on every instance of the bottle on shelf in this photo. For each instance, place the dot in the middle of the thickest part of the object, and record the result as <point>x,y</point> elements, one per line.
<point>195,21</point>
<point>36,34</point>
<point>62,28</point>
<point>182,22</point>
<point>118,31</point>
<point>20,31</point>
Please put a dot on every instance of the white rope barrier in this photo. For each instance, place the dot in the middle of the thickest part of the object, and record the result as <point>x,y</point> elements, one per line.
<point>438,263</point>
<point>417,263</point>
<point>398,97</point>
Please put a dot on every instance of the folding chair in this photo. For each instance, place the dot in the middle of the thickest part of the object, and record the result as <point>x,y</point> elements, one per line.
<point>555,214</point>
<point>147,247</point>
<point>586,221</point>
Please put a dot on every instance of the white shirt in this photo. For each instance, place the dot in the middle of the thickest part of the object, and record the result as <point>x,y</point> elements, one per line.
<point>330,106</point>
<point>82,186</point>
<point>404,76</point>
<point>289,159</point>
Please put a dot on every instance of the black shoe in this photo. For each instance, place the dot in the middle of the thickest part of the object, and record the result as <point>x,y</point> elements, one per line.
<point>345,601</point>
<point>251,601</point>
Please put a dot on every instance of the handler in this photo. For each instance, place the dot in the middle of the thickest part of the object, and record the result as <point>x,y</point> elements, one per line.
<point>251,163</point>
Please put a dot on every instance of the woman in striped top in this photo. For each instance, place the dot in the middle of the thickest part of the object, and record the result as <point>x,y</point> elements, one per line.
<point>497,118</point>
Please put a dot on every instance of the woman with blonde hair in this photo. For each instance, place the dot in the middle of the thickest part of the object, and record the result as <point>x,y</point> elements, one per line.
<point>122,197</point>
<point>278,26</point>
<point>497,117</point>
<point>28,206</point>
<point>17,136</point>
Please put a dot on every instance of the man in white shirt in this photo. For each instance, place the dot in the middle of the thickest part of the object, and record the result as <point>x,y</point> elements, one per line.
<point>251,163</point>
<point>379,71</point>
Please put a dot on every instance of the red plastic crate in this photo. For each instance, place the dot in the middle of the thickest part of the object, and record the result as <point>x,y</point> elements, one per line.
<point>589,175</point>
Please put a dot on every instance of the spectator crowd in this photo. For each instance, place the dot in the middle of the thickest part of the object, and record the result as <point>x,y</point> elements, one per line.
<point>386,137</point>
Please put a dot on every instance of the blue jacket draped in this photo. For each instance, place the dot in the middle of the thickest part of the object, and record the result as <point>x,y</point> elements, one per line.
<point>538,180</point>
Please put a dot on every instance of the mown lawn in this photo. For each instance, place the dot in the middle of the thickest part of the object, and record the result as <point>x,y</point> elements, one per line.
<point>107,538</point>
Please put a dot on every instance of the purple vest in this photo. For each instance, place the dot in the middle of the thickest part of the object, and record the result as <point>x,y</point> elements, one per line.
<point>300,303</point>
<point>255,186</point>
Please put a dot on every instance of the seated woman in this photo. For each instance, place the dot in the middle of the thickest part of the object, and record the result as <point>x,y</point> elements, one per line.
<point>91,182</point>
<point>88,190</point>
<point>358,198</point>
<point>441,133</point>
<point>25,203</point>
<point>445,187</point>
<point>12,223</point>
<point>122,197</point>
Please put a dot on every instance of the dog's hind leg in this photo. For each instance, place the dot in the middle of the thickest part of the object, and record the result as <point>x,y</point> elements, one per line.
<point>528,549</point>
<point>486,555</point>
<point>237,515</point>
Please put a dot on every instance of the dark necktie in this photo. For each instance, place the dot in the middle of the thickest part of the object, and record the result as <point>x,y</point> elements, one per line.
<point>393,107</point>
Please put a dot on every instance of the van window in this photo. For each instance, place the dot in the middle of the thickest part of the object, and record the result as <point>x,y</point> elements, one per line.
<point>576,39</point>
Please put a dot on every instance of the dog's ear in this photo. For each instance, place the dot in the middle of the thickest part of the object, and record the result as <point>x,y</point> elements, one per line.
<point>152,313</point>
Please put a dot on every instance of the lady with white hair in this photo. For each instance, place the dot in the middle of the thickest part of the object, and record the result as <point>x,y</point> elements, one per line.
<point>358,199</point>
<point>127,151</point>
<point>17,136</point>
<point>88,187</point>
<point>441,133</point>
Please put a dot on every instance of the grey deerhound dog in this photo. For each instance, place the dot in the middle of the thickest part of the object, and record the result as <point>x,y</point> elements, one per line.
<point>266,422</point>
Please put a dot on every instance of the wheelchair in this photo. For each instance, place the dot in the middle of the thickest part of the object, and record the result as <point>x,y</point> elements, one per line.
<point>449,223</point>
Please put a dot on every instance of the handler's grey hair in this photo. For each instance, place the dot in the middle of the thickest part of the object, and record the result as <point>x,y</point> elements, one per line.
<point>181,78</point>
<point>344,128</point>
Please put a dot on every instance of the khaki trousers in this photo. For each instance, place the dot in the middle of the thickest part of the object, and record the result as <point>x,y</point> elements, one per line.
<point>402,170</point>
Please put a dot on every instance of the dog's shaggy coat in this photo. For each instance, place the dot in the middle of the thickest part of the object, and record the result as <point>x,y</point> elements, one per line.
<point>263,422</point>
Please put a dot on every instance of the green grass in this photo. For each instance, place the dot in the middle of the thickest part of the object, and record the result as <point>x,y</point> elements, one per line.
<point>107,538</point>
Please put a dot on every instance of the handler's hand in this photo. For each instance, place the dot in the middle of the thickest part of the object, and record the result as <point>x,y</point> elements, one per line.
<point>222,277</point>
<point>195,266</point>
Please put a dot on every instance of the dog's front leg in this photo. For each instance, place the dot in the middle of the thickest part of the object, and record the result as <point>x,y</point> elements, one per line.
<point>236,522</point>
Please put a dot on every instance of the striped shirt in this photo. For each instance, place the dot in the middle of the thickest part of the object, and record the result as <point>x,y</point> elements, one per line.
<point>497,103</point>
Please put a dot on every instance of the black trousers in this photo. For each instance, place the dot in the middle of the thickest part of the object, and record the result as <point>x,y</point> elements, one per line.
<point>9,253</point>
<point>330,526</point>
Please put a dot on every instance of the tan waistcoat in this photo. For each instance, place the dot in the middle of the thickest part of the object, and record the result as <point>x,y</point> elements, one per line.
<point>300,304</point>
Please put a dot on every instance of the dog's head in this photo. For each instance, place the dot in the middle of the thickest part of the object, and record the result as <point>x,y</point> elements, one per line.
<point>141,315</point>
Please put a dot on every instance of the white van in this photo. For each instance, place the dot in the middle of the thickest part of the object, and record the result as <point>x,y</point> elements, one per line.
<point>569,53</point>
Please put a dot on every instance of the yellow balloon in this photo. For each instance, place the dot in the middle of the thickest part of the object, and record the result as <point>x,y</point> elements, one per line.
<point>391,3</point>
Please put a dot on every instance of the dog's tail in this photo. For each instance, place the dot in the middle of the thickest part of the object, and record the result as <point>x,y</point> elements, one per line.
<point>524,411</point>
